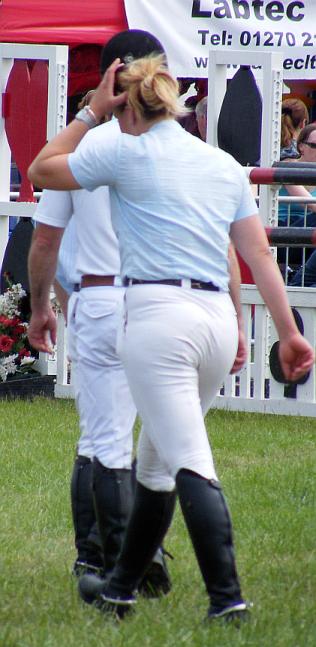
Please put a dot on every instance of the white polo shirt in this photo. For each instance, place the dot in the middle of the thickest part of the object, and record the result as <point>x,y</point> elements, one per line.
<point>66,273</point>
<point>97,246</point>
<point>173,199</point>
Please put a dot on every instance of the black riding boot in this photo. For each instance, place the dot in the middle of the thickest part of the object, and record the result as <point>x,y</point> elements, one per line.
<point>150,519</point>
<point>113,498</point>
<point>156,580</point>
<point>84,520</point>
<point>208,521</point>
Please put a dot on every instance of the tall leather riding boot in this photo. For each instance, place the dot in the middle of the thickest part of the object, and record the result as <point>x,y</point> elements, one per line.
<point>208,522</point>
<point>84,519</point>
<point>113,498</point>
<point>156,580</point>
<point>150,519</point>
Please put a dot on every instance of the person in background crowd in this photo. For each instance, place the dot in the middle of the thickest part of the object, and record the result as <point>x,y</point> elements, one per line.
<point>295,215</point>
<point>201,117</point>
<point>189,120</point>
<point>294,116</point>
<point>298,214</point>
<point>179,337</point>
<point>306,275</point>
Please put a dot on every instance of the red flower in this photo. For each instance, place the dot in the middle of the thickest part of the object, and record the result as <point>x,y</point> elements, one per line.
<point>24,353</point>
<point>5,322</point>
<point>6,343</point>
<point>17,331</point>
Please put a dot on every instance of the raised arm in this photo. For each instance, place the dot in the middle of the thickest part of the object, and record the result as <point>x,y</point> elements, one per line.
<point>50,168</point>
<point>249,237</point>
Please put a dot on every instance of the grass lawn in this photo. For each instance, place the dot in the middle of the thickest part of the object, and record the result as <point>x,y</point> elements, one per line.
<point>267,467</point>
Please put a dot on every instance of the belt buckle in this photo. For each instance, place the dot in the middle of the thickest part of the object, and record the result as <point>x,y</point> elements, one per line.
<point>196,285</point>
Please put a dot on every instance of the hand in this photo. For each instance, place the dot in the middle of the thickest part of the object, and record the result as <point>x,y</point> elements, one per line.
<point>42,331</point>
<point>104,101</point>
<point>241,354</point>
<point>296,357</point>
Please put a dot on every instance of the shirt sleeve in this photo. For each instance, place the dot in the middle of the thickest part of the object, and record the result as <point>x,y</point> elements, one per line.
<point>66,273</point>
<point>94,163</point>
<point>247,205</point>
<point>54,208</point>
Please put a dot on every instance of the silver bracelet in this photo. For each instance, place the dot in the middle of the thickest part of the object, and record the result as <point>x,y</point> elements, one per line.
<point>87,115</point>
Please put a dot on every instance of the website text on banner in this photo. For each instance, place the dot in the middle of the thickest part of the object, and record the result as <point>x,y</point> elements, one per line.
<point>189,28</point>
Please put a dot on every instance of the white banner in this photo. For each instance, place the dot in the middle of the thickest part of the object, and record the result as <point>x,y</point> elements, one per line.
<point>189,28</point>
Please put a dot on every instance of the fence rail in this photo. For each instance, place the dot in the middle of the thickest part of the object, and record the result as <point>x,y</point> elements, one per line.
<point>255,387</point>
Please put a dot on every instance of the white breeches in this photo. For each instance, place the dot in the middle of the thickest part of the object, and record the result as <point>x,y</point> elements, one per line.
<point>177,346</point>
<point>106,409</point>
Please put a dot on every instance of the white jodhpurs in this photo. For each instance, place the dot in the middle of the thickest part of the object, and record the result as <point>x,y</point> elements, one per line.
<point>84,445</point>
<point>177,346</point>
<point>103,397</point>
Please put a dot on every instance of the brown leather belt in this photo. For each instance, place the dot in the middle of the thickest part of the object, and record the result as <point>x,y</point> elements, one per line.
<point>93,280</point>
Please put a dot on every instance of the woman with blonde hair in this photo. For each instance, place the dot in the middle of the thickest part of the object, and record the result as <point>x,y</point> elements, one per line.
<point>179,338</point>
<point>294,117</point>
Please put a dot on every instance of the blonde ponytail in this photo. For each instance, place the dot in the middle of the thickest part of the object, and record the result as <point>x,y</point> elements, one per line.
<point>152,91</point>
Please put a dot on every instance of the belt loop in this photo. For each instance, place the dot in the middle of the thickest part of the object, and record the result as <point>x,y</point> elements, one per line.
<point>185,283</point>
<point>118,282</point>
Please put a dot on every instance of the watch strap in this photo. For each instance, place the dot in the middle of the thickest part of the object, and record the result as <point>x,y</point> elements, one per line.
<point>87,116</point>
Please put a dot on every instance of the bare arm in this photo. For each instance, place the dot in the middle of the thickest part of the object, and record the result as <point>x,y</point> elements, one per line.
<point>42,263</point>
<point>300,192</point>
<point>234,291</point>
<point>50,168</point>
<point>249,237</point>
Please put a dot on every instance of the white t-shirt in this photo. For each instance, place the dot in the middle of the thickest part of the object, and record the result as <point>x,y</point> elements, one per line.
<point>66,273</point>
<point>97,246</point>
<point>173,199</point>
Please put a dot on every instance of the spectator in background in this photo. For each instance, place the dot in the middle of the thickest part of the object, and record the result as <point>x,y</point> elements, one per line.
<point>295,215</point>
<point>294,117</point>
<point>201,117</point>
<point>299,214</point>
<point>189,121</point>
<point>306,275</point>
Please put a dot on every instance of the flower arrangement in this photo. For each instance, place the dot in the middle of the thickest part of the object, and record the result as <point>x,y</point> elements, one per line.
<point>15,353</point>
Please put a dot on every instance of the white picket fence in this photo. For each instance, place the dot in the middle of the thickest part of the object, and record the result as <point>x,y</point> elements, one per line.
<point>253,389</point>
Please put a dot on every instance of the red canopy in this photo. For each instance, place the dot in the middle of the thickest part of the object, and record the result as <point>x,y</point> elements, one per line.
<point>84,25</point>
<point>61,22</point>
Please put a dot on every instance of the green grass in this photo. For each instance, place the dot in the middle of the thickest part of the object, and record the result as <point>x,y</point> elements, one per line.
<point>267,467</point>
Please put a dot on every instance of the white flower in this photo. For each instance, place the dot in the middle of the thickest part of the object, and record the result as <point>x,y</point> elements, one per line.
<point>7,366</point>
<point>9,301</point>
<point>13,363</point>
<point>26,361</point>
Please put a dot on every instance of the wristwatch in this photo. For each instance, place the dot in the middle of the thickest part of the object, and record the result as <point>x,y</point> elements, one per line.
<point>87,116</point>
